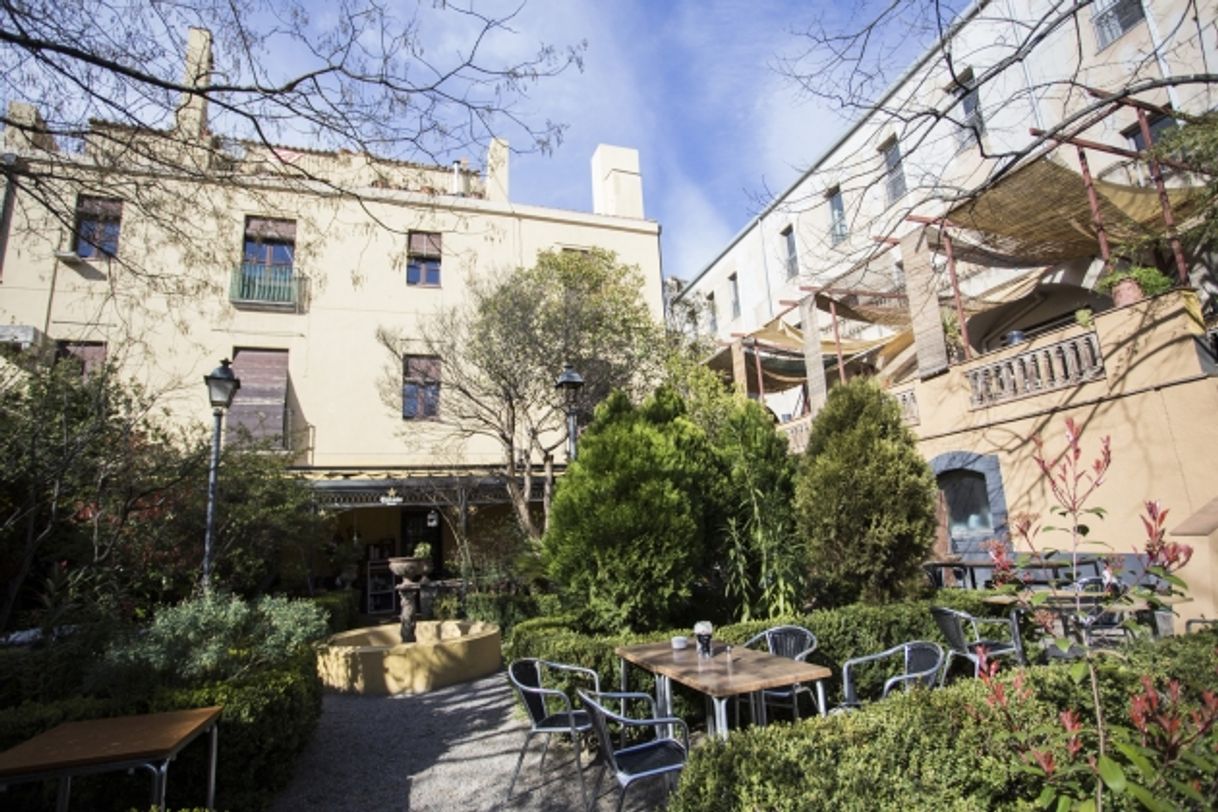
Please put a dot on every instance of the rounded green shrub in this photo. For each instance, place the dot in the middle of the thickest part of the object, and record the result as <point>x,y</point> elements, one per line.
<point>864,500</point>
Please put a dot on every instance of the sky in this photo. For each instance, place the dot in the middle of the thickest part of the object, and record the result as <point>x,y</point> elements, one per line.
<point>691,86</point>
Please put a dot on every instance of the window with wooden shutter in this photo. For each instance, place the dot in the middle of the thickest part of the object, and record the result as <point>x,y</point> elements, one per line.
<point>424,255</point>
<point>259,411</point>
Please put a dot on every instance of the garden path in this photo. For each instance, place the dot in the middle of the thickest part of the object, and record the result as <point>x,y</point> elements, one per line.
<point>451,749</point>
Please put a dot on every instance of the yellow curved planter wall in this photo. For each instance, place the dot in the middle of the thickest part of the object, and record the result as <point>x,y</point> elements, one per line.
<point>371,661</point>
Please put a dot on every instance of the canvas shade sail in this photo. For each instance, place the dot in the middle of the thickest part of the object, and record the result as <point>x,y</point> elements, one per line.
<point>1040,214</point>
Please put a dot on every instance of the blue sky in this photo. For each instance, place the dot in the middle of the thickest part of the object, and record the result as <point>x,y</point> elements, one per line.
<point>691,86</point>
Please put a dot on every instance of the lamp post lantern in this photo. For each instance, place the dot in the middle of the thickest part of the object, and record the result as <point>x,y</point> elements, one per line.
<point>569,383</point>
<point>222,384</point>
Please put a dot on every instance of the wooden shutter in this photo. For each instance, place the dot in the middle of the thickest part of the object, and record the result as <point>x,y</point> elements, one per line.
<point>264,228</point>
<point>425,244</point>
<point>260,406</point>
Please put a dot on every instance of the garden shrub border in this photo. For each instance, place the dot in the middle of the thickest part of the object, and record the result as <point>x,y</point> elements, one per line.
<point>269,717</point>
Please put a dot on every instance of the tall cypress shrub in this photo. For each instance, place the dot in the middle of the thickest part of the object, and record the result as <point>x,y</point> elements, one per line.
<point>632,519</point>
<point>864,499</point>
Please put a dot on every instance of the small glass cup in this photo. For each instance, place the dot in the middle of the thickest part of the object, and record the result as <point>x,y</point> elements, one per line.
<point>702,632</point>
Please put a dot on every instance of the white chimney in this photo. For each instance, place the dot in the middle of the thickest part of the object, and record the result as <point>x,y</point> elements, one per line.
<point>617,186</point>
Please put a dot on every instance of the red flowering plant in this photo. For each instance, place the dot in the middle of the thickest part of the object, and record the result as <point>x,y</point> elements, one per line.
<point>1167,756</point>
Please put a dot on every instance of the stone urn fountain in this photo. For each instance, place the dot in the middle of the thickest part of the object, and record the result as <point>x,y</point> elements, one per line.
<point>413,572</point>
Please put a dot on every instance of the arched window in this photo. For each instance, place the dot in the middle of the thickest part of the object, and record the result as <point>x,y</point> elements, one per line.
<point>968,505</point>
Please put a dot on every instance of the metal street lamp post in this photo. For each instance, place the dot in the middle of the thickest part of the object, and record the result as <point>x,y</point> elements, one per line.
<point>222,384</point>
<point>569,383</point>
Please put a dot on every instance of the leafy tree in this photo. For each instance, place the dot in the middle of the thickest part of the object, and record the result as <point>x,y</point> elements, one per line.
<point>635,517</point>
<point>864,499</point>
<point>762,566</point>
<point>503,349</point>
<point>1197,143</point>
<point>356,75</point>
<point>97,492</point>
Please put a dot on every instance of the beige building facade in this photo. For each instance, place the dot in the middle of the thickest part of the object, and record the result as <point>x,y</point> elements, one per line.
<point>170,251</point>
<point>950,243</point>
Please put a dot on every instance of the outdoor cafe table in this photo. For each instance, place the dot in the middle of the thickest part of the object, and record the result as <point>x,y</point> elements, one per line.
<point>746,672</point>
<point>149,741</point>
<point>971,566</point>
<point>1063,602</point>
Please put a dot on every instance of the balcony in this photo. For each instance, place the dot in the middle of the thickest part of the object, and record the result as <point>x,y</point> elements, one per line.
<point>1069,362</point>
<point>266,287</point>
<point>798,430</point>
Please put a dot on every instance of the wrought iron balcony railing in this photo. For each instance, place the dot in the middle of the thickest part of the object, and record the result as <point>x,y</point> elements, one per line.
<point>274,286</point>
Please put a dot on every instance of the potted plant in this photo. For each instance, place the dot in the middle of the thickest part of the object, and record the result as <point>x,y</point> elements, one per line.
<point>1130,284</point>
<point>413,566</point>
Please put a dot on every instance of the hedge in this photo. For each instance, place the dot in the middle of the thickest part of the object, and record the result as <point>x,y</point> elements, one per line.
<point>918,751</point>
<point>268,718</point>
<point>341,607</point>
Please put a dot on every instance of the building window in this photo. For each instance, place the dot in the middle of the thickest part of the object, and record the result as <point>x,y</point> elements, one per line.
<point>972,125</point>
<point>268,252</point>
<point>91,355</point>
<point>792,258</point>
<point>734,289</point>
<point>98,220</point>
<point>269,242</point>
<point>837,216</point>
<point>894,173</point>
<point>420,387</point>
<point>1159,125</point>
<point>712,317</point>
<point>260,407</point>
<point>423,259</point>
<point>1112,18</point>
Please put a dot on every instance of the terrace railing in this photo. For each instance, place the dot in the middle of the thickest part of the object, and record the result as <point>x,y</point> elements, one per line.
<point>1070,362</point>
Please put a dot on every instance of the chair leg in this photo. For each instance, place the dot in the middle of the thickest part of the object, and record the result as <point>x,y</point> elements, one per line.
<point>519,760</point>
<point>621,800</point>
<point>579,768</point>
<point>541,765</point>
<point>947,666</point>
<point>596,788</point>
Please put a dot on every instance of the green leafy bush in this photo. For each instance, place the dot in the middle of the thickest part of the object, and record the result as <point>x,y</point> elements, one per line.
<point>920,751</point>
<point>268,718</point>
<point>214,637</point>
<point>864,499</point>
<point>341,607</point>
<point>631,525</point>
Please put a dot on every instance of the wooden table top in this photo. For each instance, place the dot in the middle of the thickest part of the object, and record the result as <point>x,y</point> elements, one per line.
<point>1058,598</point>
<point>746,672</point>
<point>151,737</point>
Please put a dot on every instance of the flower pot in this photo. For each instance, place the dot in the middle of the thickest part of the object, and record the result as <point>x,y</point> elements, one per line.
<point>1126,292</point>
<point>410,568</point>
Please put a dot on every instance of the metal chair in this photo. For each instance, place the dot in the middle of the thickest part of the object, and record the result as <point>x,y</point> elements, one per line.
<point>920,664</point>
<point>1100,623</point>
<point>550,710</point>
<point>794,642</point>
<point>961,630</point>
<point>662,755</point>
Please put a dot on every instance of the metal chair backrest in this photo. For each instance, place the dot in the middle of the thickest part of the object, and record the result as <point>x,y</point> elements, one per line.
<point>525,675</point>
<point>599,715</point>
<point>787,641</point>
<point>951,624</point>
<point>920,662</point>
<point>924,660</point>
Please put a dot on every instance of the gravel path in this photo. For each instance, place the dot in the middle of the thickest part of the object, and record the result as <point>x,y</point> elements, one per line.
<point>451,749</point>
